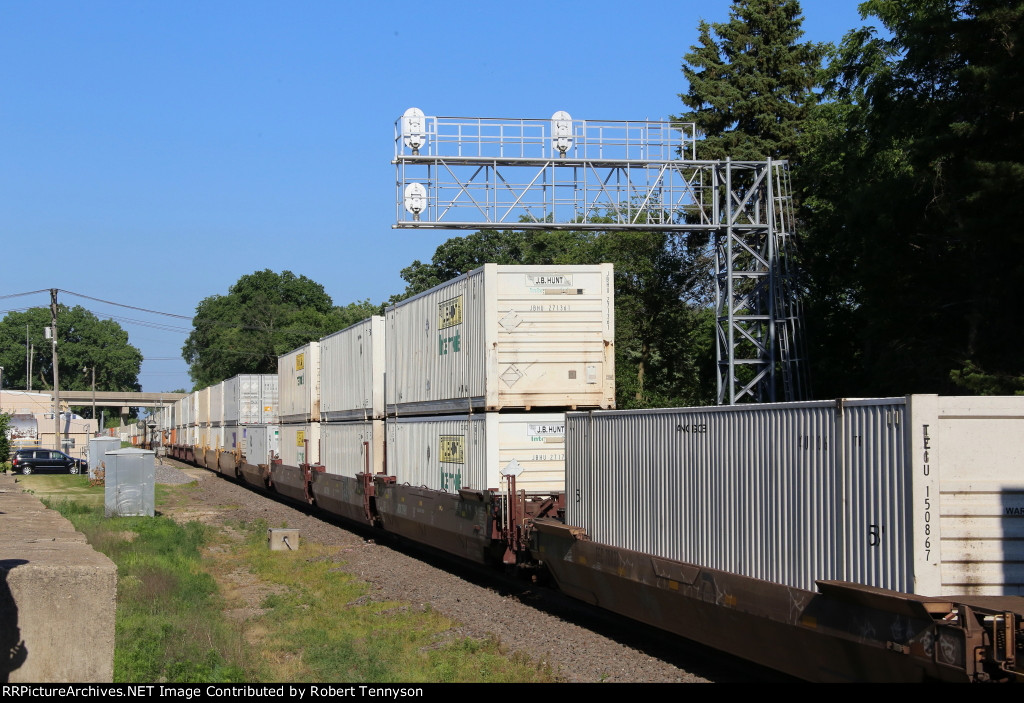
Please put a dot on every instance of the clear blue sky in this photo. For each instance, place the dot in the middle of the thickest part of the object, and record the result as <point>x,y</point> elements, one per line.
<point>151,153</point>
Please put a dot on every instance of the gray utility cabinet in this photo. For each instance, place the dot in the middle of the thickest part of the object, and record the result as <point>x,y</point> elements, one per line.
<point>130,483</point>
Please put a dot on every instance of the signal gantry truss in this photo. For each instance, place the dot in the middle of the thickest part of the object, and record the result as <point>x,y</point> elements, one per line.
<point>561,173</point>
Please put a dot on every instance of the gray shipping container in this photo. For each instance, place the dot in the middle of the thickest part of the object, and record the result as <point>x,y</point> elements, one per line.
<point>922,494</point>
<point>129,485</point>
<point>355,447</point>
<point>449,452</point>
<point>505,337</point>
<point>298,384</point>
<point>259,442</point>
<point>352,372</point>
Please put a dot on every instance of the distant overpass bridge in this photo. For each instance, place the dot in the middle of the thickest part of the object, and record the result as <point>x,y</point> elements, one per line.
<point>120,399</point>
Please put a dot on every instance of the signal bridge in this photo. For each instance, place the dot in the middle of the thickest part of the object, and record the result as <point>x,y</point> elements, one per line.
<point>561,173</point>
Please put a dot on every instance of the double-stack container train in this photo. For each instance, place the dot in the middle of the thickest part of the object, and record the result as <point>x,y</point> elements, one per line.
<point>873,539</point>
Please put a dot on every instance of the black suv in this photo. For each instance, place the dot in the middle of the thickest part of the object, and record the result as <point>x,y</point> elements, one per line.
<point>28,460</point>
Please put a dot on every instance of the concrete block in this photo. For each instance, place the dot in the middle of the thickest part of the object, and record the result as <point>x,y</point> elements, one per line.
<point>57,597</point>
<point>281,539</point>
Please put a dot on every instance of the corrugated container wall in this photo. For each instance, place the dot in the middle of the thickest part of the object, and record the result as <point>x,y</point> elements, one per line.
<point>298,379</point>
<point>883,492</point>
<point>355,447</point>
<point>505,337</point>
<point>352,372</point>
<point>294,439</point>
<point>447,453</point>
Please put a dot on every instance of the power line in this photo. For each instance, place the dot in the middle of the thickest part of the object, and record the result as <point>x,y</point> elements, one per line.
<point>122,305</point>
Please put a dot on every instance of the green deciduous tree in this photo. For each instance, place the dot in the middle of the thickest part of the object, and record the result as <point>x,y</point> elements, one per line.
<point>751,82</point>
<point>83,341</point>
<point>911,181</point>
<point>263,315</point>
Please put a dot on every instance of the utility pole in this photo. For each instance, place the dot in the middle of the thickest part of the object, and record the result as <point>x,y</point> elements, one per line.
<point>86,370</point>
<point>56,374</point>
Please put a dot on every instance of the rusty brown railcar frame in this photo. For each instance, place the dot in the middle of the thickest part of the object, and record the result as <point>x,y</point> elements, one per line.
<point>844,632</point>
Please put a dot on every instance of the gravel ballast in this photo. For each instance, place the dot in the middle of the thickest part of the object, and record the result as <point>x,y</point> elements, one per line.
<point>592,647</point>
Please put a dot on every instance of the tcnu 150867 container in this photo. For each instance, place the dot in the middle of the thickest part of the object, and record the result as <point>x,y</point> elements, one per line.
<point>352,448</point>
<point>449,452</point>
<point>505,337</point>
<point>298,381</point>
<point>246,396</point>
<point>294,440</point>
<point>352,372</point>
<point>922,494</point>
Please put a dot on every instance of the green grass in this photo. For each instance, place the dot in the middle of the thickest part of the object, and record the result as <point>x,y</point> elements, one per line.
<point>326,631</point>
<point>74,487</point>
<point>316,624</point>
<point>169,623</point>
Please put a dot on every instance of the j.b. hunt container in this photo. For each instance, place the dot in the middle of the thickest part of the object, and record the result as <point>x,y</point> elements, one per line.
<point>298,379</point>
<point>502,337</point>
<point>352,372</point>
<point>452,452</point>
<point>352,448</point>
<point>922,494</point>
<point>299,443</point>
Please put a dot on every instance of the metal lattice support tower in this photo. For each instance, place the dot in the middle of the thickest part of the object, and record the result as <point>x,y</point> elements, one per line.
<point>472,173</point>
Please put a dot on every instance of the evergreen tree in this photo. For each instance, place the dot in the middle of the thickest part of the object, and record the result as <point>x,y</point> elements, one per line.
<point>750,83</point>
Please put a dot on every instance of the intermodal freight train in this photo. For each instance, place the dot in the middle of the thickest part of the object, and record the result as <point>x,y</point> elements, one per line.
<point>870,539</point>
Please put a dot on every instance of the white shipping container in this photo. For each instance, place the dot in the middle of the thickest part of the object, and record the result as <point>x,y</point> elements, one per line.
<point>243,398</point>
<point>180,408</point>
<point>294,438</point>
<point>505,337</point>
<point>217,404</point>
<point>269,399</point>
<point>921,494</point>
<point>298,380</point>
<point>450,452</point>
<point>352,372</point>
<point>202,405</point>
<point>259,442</point>
<point>355,447</point>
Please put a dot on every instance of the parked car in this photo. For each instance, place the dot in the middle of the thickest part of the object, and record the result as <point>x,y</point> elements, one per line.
<point>30,460</point>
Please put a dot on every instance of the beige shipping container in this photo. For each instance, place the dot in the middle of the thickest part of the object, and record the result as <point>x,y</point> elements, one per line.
<point>352,372</point>
<point>298,380</point>
<point>352,448</point>
<point>447,453</point>
<point>293,439</point>
<point>505,337</point>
